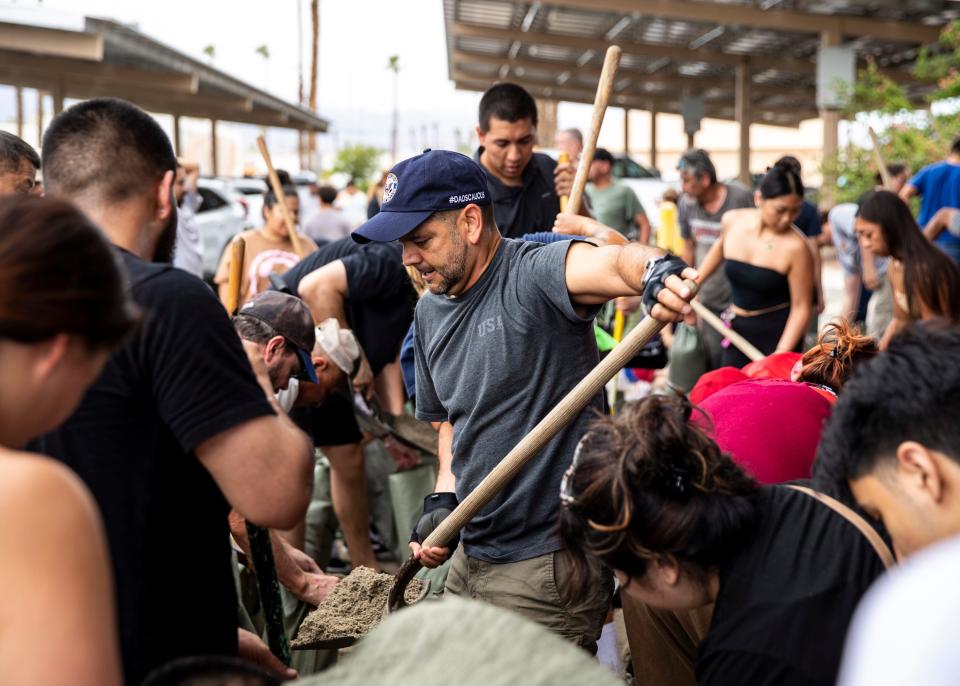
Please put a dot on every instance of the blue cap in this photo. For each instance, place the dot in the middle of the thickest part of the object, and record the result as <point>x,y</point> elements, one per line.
<point>434,181</point>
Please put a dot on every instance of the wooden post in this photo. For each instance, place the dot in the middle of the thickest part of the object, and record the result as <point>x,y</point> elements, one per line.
<point>39,118</point>
<point>831,124</point>
<point>215,170</point>
<point>58,99</point>
<point>19,97</point>
<point>177,146</point>
<point>743,114</point>
<point>626,130</point>
<point>653,135</point>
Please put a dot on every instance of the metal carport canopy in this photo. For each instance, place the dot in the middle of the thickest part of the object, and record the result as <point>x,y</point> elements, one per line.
<point>109,59</point>
<point>673,48</point>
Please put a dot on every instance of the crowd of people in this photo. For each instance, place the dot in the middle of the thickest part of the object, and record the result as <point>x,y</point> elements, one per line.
<point>743,526</point>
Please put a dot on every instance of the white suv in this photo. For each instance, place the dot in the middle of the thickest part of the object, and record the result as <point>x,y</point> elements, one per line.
<point>219,219</point>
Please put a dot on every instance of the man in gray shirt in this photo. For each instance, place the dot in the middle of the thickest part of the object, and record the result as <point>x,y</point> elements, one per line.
<point>703,204</point>
<point>504,333</point>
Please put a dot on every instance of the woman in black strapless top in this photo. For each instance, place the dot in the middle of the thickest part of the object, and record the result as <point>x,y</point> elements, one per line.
<point>769,266</point>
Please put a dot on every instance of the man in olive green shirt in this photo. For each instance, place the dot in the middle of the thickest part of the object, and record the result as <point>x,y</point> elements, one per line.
<point>614,203</point>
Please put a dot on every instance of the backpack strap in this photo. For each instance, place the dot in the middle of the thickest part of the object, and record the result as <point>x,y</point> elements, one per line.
<point>883,551</point>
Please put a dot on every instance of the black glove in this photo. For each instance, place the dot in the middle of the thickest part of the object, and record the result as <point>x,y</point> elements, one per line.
<point>436,507</point>
<point>657,271</point>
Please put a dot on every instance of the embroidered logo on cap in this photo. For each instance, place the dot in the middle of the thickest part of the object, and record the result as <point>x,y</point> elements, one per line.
<point>467,197</point>
<point>389,187</point>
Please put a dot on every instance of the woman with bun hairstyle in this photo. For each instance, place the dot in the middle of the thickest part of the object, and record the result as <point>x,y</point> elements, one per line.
<point>769,266</point>
<point>652,497</point>
<point>925,282</point>
<point>62,309</point>
<point>839,352</point>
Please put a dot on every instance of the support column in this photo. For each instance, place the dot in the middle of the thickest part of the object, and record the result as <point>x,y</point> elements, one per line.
<point>626,130</point>
<point>213,148</point>
<point>547,121</point>
<point>39,118</point>
<point>177,147</point>
<point>831,124</point>
<point>690,141</point>
<point>19,99</point>
<point>58,100</point>
<point>653,135</point>
<point>743,114</point>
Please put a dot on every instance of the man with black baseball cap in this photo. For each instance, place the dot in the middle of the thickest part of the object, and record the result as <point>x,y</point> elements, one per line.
<point>504,333</point>
<point>282,328</point>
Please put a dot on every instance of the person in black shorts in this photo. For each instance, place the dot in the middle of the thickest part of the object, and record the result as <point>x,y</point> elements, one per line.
<point>178,428</point>
<point>651,496</point>
<point>368,291</point>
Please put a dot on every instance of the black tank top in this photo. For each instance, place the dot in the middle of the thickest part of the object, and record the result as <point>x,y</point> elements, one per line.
<point>756,288</point>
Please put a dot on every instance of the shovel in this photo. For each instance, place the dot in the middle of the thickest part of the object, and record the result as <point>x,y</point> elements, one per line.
<point>531,444</point>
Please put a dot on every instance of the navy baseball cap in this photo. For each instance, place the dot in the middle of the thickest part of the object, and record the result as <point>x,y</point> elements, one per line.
<point>433,181</point>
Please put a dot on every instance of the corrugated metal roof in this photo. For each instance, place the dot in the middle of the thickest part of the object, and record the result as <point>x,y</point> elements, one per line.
<point>678,46</point>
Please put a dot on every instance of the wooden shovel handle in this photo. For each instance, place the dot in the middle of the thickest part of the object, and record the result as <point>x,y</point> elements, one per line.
<point>604,89</point>
<point>277,188</point>
<point>741,343</point>
<point>540,435</point>
<point>235,279</point>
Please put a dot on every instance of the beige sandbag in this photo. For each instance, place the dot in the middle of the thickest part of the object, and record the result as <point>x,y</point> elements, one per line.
<point>466,642</point>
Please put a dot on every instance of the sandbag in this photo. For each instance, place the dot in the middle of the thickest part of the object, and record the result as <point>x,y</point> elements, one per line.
<point>688,358</point>
<point>463,642</point>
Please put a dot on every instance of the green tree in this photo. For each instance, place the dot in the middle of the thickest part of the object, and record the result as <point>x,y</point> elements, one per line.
<point>907,133</point>
<point>357,161</point>
<point>211,52</point>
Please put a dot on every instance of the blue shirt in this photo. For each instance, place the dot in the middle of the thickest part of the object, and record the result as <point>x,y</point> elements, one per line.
<point>938,185</point>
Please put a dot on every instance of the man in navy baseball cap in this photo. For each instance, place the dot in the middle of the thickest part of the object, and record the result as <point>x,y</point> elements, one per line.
<point>505,331</point>
<point>433,181</point>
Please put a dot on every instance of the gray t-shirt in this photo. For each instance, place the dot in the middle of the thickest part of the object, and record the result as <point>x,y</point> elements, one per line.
<point>493,362</point>
<point>704,228</point>
<point>328,225</point>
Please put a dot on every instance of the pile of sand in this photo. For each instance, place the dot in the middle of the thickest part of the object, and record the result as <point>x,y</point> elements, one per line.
<point>353,608</point>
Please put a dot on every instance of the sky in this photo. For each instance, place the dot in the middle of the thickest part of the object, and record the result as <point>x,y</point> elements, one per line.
<point>357,38</point>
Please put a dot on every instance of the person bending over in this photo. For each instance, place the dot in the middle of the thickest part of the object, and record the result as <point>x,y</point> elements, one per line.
<point>925,282</point>
<point>652,497</point>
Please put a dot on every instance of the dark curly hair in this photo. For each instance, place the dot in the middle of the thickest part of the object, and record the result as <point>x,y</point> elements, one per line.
<point>648,483</point>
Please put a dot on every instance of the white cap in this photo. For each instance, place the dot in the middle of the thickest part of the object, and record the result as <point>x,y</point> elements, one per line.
<point>340,345</point>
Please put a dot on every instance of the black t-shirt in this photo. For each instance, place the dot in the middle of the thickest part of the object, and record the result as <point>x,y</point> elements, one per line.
<point>181,379</point>
<point>808,221</point>
<point>380,300</point>
<point>528,208</point>
<point>787,598</point>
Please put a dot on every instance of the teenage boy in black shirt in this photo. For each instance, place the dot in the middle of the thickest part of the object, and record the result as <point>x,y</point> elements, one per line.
<point>177,426</point>
<point>525,186</point>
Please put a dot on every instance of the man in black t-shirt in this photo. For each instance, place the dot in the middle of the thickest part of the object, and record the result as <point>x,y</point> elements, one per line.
<point>525,186</point>
<point>366,288</point>
<point>177,429</point>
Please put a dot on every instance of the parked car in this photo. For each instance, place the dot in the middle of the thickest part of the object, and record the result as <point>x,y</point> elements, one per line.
<point>219,218</point>
<point>251,192</point>
<point>644,181</point>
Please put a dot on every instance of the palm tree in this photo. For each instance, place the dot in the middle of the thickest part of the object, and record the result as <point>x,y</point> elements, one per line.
<point>264,52</point>
<point>393,64</point>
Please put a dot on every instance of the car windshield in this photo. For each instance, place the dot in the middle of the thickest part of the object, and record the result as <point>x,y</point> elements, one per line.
<point>625,168</point>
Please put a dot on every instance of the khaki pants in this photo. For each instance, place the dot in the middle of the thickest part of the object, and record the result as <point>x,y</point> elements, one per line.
<point>663,643</point>
<point>531,588</point>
